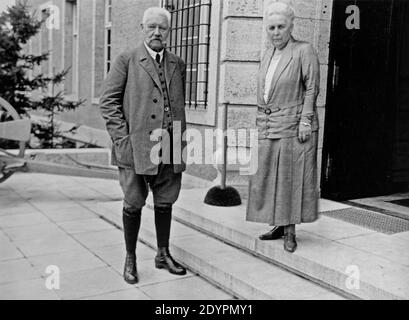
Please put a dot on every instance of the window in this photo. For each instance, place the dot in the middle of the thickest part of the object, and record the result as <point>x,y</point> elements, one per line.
<point>45,42</point>
<point>190,38</point>
<point>99,48</point>
<point>108,34</point>
<point>75,53</point>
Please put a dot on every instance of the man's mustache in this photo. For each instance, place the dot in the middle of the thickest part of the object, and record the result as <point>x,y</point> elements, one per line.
<point>159,39</point>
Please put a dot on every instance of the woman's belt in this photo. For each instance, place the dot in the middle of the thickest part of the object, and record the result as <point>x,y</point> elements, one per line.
<point>270,108</point>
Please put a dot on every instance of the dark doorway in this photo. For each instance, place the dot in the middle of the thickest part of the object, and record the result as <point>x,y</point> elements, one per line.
<point>366,139</point>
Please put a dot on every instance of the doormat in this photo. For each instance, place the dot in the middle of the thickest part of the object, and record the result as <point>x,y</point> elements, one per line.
<point>402,202</point>
<point>370,220</point>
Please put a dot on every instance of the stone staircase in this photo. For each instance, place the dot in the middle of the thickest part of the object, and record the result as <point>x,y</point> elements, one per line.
<point>218,244</point>
<point>326,262</point>
<point>237,272</point>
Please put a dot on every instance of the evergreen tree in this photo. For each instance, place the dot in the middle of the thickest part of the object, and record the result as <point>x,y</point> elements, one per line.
<point>17,27</point>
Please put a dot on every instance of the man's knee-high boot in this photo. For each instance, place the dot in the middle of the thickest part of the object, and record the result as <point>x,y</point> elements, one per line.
<point>163,259</point>
<point>132,220</point>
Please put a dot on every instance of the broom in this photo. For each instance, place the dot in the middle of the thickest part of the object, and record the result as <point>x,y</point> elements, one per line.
<point>223,196</point>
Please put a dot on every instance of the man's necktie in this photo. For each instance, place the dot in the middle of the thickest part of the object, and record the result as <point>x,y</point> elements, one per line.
<point>157,58</point>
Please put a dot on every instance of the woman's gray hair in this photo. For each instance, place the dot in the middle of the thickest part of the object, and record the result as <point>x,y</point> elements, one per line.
<point>156,11</point>
<point>282,8</point>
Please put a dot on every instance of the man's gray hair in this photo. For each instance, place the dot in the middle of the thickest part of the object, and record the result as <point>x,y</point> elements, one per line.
<point>156,11</point>
<point>282,8</point>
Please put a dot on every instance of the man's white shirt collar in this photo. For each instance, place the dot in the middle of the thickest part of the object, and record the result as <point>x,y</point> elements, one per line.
<point>154,53</point>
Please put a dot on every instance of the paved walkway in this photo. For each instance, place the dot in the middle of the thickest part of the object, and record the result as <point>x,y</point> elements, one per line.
<point>47,221</point>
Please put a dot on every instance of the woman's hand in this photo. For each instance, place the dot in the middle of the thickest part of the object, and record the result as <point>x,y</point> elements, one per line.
<point>304,132</point>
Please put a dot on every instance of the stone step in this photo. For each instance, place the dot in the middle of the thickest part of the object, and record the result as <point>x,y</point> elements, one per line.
<point>321,256</point>
<point>233,270</point>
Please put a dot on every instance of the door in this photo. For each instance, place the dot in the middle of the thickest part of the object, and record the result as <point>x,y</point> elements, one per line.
<point>366,130</point>
<point>400,172</point>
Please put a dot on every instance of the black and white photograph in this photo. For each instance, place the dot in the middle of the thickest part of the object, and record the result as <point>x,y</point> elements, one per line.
<point>203,155</point>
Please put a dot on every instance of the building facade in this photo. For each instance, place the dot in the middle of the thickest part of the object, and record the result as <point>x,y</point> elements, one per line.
<point>223,42</point>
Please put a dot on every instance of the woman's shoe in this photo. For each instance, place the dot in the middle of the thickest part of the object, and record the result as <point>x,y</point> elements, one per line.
<point>273,234</point>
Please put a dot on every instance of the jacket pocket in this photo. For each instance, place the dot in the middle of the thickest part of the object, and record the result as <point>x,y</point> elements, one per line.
<point>123,152</point>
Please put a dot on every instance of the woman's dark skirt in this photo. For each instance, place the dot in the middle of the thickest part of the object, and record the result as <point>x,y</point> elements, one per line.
<point>284,189</point>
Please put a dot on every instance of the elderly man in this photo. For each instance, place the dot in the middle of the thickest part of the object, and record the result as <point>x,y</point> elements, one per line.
<point>143,95</point>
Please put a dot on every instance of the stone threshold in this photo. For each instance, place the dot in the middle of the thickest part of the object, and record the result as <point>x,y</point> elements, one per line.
<point>385,205</point>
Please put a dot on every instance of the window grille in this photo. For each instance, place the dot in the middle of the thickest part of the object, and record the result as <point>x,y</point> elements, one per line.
<point>190,39</point>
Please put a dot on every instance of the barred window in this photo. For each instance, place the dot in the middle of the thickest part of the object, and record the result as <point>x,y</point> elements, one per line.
<point>73,46</point>
<point>190,39</point>
<point>108,34</point>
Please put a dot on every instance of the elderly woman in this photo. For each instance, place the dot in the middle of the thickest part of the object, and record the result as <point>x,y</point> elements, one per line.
<point>284,191</point>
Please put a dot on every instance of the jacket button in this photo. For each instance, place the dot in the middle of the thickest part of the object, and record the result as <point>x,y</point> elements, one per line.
<point>268,111</point>
<point>167,109</point>
<point>155,100</point>
<point>153,116</point>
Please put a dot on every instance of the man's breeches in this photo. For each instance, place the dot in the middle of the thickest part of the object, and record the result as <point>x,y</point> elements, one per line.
<point>165,187</point>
